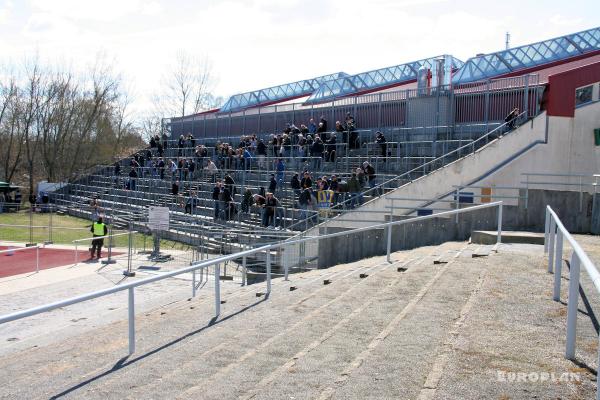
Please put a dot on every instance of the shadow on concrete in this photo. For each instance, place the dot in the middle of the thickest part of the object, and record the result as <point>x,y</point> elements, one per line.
<point>125,361</point>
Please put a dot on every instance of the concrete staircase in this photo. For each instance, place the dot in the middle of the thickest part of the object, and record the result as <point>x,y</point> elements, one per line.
<point>410,329</point>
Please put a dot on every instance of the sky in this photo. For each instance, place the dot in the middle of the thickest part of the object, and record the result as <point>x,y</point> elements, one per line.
<point>253,44</point>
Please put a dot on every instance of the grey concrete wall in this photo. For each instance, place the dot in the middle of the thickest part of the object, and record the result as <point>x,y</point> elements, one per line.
<point>573,209</point>
<point>595,224</point>
<point>356,246</point>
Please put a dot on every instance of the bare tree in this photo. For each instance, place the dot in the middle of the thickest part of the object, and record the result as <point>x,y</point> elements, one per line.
<point>56,124</point>
<point>11,143</point>
<point>187,87</point>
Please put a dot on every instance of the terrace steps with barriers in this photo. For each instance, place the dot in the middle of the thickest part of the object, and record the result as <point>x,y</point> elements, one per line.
<point>410,329</point>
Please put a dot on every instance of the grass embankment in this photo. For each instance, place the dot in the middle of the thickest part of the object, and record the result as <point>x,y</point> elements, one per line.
<point>65,229</point>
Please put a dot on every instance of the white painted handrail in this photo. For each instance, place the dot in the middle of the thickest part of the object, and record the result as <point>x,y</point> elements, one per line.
<point>554,236</point>
<point>37,254</point>
<point>220,260</point>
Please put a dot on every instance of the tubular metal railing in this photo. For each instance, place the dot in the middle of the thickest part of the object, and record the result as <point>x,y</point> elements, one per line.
<point>216,262</point>
<point>555,235</point>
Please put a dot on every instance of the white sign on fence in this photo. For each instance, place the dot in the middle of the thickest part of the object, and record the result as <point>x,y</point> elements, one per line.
<point>158,218</point>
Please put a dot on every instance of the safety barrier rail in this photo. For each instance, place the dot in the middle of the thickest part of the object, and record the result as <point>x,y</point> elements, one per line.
<point>439,162</point>
<point>554,236</point>
<point>216,262</point>
<point>37,254</point>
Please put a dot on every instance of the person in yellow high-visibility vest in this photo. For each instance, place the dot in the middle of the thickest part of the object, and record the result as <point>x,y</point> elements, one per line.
<point>98,229</point>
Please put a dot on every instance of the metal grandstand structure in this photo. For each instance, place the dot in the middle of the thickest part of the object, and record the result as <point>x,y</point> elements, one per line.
<point>528,56</point>
<point>273,94</point>
<point>377,79</point>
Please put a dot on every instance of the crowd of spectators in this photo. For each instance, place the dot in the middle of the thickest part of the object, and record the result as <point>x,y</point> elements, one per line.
<point>312,140</point>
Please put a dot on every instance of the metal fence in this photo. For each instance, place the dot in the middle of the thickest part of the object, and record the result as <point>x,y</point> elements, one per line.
<point>482,102</point>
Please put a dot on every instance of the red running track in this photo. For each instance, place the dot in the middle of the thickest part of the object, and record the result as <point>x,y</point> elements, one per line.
<point>24,261</point>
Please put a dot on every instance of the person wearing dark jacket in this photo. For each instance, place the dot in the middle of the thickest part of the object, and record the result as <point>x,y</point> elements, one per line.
<point>295,182</point>
<point>132,178</point>
<point>316,152</point>
<point>331,146</point>
<point>247,201</point>
<point>98,229</point>
<point>215,196</point>
<point>272,184</point>
<point>511,119</point>
<point>306,182</point>
<point>380,139</point>
<point>229,184</point>
<point>272,211</point>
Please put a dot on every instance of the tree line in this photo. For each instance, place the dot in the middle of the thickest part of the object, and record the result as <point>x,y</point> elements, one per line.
<point>56,125</point>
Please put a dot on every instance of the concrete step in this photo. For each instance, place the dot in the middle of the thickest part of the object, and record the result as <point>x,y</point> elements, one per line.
<point>490,237</point>
<point>159,334</point>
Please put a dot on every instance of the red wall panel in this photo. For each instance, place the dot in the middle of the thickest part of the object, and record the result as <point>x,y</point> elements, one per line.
<point>561,88</point>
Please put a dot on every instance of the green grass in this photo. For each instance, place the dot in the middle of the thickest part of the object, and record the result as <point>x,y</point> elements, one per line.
<point>60,235</point>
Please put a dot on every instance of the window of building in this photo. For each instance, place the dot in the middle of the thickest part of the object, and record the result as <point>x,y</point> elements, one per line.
<point>583,95</point>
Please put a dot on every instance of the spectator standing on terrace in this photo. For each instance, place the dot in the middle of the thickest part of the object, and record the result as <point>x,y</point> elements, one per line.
<point>247,201</point>
<point>511,119</point>
<point>354,188</point>
<point>133,163</point>
<point>247,158</point>
<point>261,151</point>
<point>159,148</point>
<point>216,197</point>
<point>212,170</point>
<point>175,188</point>
<point>334,185</point>
<point>321,132</point>
<point>331,146</point>
<point>339,128</point>
<point>305,201</point>
<point>272,184</point>
<point>152,142</point>
<point>192,168</point>
<point>95,208</point>
<point>260,203</point>
<point>316,152</point>
<point>161,168</point>
<point>200,154</point>
<point>165,140</point>
<point>180,167</point>
<point>306,182</point>
<point>295,184</point>
<point>180,145</point>
<point>280,168</point>
<point>173,167</point>
<point>370,173</point>
<point>361,177</point>
<point>229,184</point>
<point>227,206</point>
<point>271,210</point>
<point>312,127</point>
<point>191,203</point>
<point>323,123</point>
<point>132,179</point>
<point>117,168</point>
<point>98,229</point>
<point>380,139</point>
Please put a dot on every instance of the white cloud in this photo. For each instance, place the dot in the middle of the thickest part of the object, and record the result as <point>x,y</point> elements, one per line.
<point>5,12</point>
<point>259,43</point>
<point>151,8</point>
<point>104,10</point>
<point>561,20</point>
